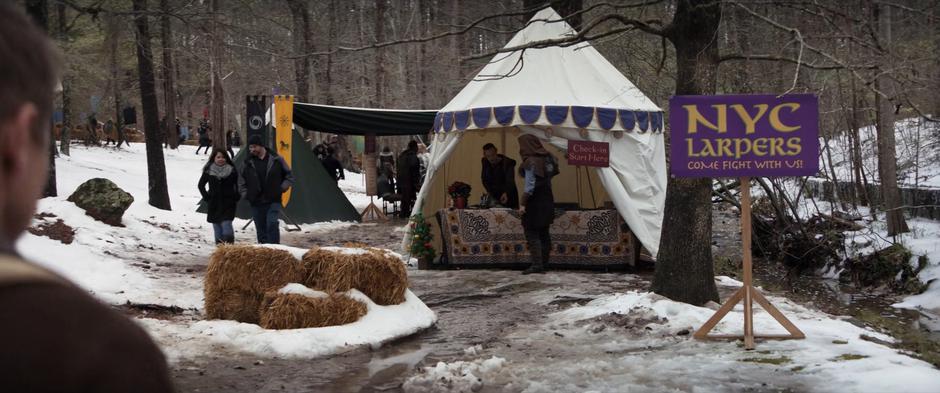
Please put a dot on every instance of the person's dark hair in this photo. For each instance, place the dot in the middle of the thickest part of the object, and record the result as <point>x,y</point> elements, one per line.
<point>412,145</point>
<point>29,69</point>
<point>215,151</point>
<point>489,146</point>
<point>386,149</point>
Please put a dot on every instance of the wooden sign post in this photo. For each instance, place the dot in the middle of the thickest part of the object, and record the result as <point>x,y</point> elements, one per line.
<point>371,211</point>
<point>747,293</point>
<point>743,136</point>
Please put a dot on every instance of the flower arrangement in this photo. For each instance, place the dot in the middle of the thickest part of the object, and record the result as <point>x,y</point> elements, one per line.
<point>421,238</point>
<point>459,190</point>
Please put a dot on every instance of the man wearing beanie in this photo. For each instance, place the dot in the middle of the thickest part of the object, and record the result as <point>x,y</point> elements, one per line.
<point>263,179</point>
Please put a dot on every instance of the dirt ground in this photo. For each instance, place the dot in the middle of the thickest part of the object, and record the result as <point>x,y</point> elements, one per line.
<point>474,307</point>
<point>486,309</point>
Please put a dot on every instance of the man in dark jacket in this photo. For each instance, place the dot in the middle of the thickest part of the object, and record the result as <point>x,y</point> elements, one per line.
<point>499,177</point>
<point>263,179</point>
<point>56,337</point>
<point>409,178</point>
<point>333,167</point>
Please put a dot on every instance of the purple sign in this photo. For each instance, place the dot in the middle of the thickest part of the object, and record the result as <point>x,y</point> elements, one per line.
<point>744,135</point>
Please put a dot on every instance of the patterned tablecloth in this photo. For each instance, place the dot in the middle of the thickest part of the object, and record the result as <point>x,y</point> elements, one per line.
<point>580,238</point>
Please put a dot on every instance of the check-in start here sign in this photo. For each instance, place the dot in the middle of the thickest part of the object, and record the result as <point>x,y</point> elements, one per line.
<point>584,153</point>
<point>744,135</point>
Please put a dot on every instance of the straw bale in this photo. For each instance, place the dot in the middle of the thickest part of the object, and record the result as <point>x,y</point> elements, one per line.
<point>238,277</point>
<point>355,245</point>
<point>295,311</point>
<point>381,277</point>
<point>250,268</point>
<point>236,305</point>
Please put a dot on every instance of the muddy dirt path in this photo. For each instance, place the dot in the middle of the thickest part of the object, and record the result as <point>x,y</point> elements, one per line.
<point>474,308</point>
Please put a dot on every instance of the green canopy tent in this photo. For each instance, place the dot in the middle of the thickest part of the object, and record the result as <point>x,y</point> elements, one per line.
<point>315,197</point>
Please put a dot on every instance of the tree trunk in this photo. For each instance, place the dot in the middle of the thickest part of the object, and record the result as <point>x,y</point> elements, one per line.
<point>328,71</point>
<point>423,9</point>
<point>169,88</point>
<point>39,11</point>
<point>684,267</point>
<point>936,63</point>
<point>65,139</point>
<point>156,168</point>
<point>117,81</point>
<point>380,70</point>
<point>217,97</point>
<point>861,183</point>
<point>884,118</point>
<point>300,16</point>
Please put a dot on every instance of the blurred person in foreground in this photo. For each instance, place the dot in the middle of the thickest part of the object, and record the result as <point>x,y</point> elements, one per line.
<point>56,336</point>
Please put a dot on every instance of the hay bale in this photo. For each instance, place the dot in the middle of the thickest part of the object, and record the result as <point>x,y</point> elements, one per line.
<point>238,276</point>
<point>297,311</point>
<point>236,305</point>
<point>379,276</point>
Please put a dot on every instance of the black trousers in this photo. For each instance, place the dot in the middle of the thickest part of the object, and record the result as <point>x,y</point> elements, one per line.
<point>540,245</point>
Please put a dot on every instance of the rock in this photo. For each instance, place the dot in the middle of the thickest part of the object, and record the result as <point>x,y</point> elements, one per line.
<point>102,200</point>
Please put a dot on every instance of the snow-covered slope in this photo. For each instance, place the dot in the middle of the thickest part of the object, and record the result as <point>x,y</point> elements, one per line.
<point>157,256</point>
<point>918,151</point>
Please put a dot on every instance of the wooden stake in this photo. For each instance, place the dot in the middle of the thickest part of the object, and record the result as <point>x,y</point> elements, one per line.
<point>373,211</point>
<point>747,293</point>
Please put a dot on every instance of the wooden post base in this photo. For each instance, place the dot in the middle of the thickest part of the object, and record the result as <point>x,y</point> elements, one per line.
<point>748,293</point>
<point>373,211</point>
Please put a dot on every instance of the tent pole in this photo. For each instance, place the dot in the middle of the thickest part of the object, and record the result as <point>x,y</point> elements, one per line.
<point>590,186</point>
<point>290,220</point>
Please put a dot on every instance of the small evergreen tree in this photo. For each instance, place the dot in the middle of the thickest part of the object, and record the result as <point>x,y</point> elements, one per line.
<point>421,246</point>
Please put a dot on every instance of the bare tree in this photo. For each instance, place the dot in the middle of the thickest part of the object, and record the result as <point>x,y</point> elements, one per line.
<point>156,168</point>
<point>169,89</point>
<point>113,27</point>
<point>217,96</point>
<point>300,17</point>
<point>65,133</point>
<point>684,267</point>
<point>884,119</point>
<point>39,11</point>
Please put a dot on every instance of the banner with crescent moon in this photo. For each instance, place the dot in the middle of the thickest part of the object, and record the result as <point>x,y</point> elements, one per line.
<point>284,115</point>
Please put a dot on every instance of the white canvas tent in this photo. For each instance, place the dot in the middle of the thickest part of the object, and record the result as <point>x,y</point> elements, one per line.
<point>558,94</point>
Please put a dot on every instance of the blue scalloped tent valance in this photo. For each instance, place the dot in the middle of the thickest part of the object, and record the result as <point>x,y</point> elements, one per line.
<point>581,116</point>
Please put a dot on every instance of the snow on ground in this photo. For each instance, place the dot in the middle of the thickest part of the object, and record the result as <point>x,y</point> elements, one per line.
<point>640,342</point>
<point>354,185</point>
<point>381,324</point>
<point>918,152</point>
<point>102,257</point>
<point>154,257</point>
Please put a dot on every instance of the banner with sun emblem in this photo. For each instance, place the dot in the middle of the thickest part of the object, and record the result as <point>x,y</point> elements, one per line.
<point>284,113</point>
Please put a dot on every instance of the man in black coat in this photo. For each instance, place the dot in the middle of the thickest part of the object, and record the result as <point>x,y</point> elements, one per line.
<point>499,177</point>
<point>263,179</point>
<point>333,167</point>
<point>409,178</point>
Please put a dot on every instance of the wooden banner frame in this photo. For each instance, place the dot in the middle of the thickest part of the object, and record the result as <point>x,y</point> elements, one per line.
<point>747,293</point>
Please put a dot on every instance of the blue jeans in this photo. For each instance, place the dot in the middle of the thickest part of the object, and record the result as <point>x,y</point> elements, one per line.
<point>266,222</point>
<point>223,231</point>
